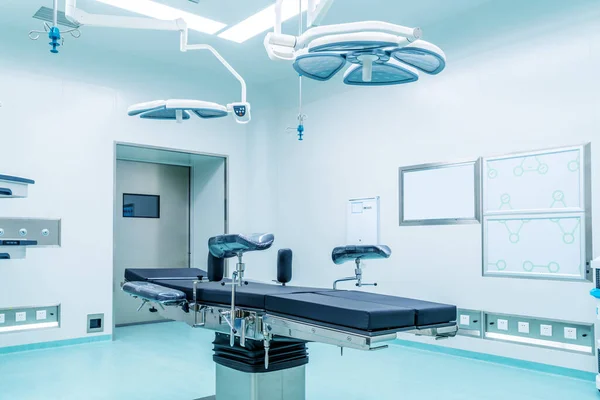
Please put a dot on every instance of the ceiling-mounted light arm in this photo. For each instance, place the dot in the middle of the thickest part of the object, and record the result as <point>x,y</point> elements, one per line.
<point>185,46</point>
<point>278,18</point>
<point>223,61</point>
<point>316,12</point>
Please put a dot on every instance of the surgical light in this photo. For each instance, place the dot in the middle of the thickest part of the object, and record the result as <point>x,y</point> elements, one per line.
<point>378,53</point>
<point>164,12</point>
<point>262,21</point>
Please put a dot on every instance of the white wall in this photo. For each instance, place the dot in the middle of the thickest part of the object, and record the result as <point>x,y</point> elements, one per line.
<point>536,92</point>
<point>59,120</point>
<point>208,194</point>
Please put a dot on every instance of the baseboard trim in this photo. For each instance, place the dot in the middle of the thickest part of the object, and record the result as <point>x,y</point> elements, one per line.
<point>142,323</point>
<point>511,362</point>
<point>53,344</point>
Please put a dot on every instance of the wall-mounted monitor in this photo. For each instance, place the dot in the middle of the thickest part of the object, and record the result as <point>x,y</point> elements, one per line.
<point>141,206</point>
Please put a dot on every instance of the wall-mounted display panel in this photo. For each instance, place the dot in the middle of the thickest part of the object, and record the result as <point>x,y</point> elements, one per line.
<point>440,194</point>
<point>535,245</point>
<point>550,180</point>
<point>537,214</point>
<point>362,216</point>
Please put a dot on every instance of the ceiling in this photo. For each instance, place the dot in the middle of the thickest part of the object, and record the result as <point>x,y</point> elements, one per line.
<point>250,57</point>
<point>447,23</point>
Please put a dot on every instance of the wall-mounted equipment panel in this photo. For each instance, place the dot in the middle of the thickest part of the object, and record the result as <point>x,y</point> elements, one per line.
<point>362,218</point>
<point>29,232</point>
<point>13,186</point>
<point>18,234</point>
<point>440,193</point>
<point>561,335</point>
<point>18,319</point>
<point>470,323</point>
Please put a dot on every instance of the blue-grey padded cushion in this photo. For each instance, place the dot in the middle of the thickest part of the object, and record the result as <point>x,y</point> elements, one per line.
<point>153,292</point>
<point>144,274</point>
<point>226,246</point>
<point>426,312</point>
<point>357,314</point>
<point>251,295</point>
<point>343,254</point>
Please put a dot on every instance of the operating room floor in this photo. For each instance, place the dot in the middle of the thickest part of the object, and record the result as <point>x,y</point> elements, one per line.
<point>172,361</point>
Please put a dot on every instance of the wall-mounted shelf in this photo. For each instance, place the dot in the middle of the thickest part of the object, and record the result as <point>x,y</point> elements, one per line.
<point>14,186</point>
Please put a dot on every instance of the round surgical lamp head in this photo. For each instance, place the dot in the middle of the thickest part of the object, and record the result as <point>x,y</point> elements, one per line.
<point>181,110</point>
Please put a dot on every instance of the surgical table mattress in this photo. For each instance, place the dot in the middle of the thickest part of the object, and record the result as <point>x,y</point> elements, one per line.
<point>151,274</point>
<point>358,310</point>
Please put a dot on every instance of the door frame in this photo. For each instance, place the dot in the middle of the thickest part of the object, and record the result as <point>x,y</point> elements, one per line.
<point>116,144</point>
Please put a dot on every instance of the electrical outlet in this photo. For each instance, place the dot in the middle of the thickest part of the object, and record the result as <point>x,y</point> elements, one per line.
<point>502,324</point>
<point>523,327</point>
<point>21,316</point>
<point>546,330</point>
<point>40,315</point>
<point>465,320</point>
<point>571,333</point>
<point>2,319</point>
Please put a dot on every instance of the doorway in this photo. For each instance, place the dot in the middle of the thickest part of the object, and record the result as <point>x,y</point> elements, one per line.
<point>167,204</point>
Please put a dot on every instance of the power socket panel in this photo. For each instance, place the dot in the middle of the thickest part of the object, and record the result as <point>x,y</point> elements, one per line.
<point>503,325</point>
<point>546,330</point>
<point>570,333</point>
<point>524,327</point>
<point>21,316</point>
<point>40,315</point>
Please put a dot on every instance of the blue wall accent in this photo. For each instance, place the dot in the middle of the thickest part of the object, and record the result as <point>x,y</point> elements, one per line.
<point>511,362</point>
<point>58,343</point>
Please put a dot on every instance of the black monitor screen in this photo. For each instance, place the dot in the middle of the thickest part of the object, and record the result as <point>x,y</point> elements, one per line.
<point>141,206</point>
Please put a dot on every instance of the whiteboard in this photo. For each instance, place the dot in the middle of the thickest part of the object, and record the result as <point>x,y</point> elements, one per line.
<point>362,217</point>
<point>440,193</point>
<point>537,181</point>
<point>533,245</point>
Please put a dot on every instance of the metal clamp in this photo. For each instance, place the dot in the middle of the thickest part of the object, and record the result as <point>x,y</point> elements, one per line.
<point>267,342</point>
<point>357,277</point>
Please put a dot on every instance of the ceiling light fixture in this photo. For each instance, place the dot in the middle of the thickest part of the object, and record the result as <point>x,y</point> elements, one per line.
<point>262,21</point>
<point>164,12</point>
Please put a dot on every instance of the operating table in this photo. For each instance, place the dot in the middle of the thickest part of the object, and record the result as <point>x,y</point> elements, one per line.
<point>262,329</point>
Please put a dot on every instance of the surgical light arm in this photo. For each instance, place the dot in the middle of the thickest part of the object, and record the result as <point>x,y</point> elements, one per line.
<point>241,110</point>
<point>317,11</point>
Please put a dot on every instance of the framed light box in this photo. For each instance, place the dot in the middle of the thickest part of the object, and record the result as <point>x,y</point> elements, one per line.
<point>537,214</point>
<point>440,193</point>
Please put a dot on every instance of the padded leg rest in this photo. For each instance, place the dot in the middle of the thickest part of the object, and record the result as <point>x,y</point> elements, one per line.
<point>356,314</point>
<point>156,293</point>
<point>151,274</point>
<point>426,312</point>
